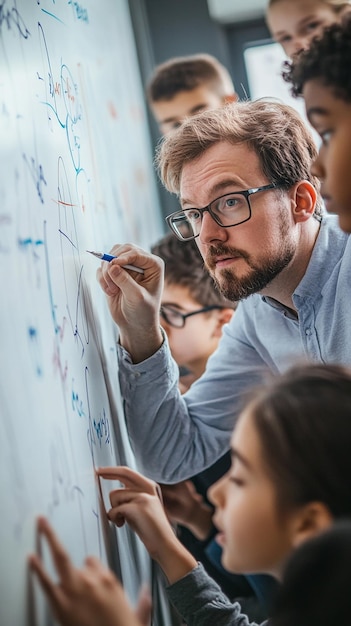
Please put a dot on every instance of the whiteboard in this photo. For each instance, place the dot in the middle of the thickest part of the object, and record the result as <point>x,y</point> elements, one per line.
<point>76,174</point>
<point>264,65</point>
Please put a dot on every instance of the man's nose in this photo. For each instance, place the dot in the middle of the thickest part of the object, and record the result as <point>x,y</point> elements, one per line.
<point>210,230</point>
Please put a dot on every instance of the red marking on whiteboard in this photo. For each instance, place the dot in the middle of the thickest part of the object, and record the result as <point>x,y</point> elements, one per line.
<point>62,202</point>
<point>112,109</point>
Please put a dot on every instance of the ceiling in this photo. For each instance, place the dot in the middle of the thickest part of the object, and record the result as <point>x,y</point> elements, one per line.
<point>231,11</point>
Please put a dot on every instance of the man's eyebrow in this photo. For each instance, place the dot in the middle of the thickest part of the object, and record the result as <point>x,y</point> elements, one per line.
<point>219,187</point>
<point>235,454</point>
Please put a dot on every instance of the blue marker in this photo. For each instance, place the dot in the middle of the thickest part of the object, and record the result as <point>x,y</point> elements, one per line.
<point>109,257</point>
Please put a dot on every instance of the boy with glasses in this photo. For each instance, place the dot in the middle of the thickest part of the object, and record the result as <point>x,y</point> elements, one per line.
<point>192,311</point>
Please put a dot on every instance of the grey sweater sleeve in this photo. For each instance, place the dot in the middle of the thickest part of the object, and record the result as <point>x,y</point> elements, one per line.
<point>201,602</point>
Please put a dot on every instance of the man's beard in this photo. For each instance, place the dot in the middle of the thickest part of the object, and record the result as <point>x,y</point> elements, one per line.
<point>259,276</point>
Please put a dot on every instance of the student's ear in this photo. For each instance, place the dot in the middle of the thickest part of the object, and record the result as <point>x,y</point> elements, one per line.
<point>233,97</point>
<point>313,518</point>
<point>223,317</point>
<point>303,201</point>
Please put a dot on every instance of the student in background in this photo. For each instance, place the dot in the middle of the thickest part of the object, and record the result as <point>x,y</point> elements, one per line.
<point>322,76</point>
<point>294,23</point>
<point>316,581</point>
<point>289,481</point>
<point>186,85</point>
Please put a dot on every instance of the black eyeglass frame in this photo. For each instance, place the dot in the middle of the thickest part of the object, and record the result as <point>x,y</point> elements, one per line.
<point>246,193</point>
<point>184,316</point>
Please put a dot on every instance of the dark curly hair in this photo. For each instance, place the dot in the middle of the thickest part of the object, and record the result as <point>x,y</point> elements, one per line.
<point>328,59</point>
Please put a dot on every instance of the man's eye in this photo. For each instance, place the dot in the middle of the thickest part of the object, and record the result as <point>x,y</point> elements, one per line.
<point>193,215</point>
<point>232,202</point>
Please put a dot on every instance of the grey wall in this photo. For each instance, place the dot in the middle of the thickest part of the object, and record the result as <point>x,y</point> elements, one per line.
<point>184,27</point>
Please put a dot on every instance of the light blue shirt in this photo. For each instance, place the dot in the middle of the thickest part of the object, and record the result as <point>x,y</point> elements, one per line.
<point>175,437</point>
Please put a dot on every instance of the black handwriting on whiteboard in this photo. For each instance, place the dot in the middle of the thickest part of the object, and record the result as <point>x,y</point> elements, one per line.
<point>72,267</point>
<point>37,174</point>
<point>10,16</point>
<point>61,99</point>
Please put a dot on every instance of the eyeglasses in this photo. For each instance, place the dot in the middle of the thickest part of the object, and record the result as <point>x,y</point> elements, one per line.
<point>177,319</point>
<point>229,210</point>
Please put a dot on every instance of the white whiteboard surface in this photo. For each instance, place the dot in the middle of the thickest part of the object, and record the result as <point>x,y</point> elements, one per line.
<point>264,64</point>
<point>76,174</point>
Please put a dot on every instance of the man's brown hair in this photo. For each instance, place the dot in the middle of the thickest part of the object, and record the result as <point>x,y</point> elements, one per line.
<point>274,131</point>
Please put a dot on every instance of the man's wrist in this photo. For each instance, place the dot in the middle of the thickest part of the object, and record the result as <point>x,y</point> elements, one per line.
<point>141,346</point>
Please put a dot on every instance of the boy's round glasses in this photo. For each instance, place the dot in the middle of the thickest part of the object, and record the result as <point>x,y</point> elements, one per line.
<point>177,319</point>
<point>229,210</point>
